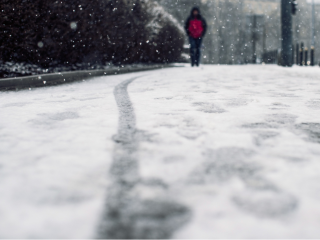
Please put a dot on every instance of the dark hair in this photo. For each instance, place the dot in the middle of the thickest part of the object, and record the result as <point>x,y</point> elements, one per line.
<point>195,9</point>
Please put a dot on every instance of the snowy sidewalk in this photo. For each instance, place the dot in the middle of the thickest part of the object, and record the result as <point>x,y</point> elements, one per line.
<point>218,152</point>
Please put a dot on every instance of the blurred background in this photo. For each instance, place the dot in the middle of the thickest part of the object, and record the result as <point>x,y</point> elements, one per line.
<point>49,36</point>
<point>239,28</point>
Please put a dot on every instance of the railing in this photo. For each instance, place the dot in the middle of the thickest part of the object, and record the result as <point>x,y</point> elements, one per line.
<point>302,55</point>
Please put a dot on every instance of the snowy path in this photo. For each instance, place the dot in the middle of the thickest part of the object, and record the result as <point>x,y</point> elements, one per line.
<point>218,152</point>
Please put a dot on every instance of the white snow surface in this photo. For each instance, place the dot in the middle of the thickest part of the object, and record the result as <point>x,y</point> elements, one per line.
<point>239,146</point>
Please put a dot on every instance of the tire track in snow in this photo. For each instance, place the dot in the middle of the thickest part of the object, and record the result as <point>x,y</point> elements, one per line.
<point>129,213</point>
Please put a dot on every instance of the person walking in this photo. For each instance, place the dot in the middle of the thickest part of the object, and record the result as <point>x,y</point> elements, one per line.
<point>196,28</point>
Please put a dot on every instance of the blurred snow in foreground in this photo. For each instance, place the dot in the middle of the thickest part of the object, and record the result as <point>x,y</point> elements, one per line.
<point>236,145</point>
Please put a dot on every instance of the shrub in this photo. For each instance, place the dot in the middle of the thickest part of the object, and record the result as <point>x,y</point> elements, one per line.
<point>66,32</point>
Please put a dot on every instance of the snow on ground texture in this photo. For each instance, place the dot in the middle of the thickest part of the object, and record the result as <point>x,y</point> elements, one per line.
<point>236,145</point>
<point>55,146</point>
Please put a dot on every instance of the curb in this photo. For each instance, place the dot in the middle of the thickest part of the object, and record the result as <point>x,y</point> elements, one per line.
<point>67,77</point>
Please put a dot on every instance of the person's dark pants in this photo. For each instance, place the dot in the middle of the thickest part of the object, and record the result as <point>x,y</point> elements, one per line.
<point>195,47</point>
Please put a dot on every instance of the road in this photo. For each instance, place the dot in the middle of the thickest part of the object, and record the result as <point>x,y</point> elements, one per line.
<point>210,152</point>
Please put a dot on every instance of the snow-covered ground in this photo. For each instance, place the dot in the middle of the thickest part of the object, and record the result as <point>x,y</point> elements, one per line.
<point>215,152</point>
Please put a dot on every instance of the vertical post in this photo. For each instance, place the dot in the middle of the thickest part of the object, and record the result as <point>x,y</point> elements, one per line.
<point>298,53</point>
<point>313,35</point>
<point>301,57</point>
<point>313,25</point>
<point>221,49</point>
<point>286,27</point>
<point>306,57</point>
<point>312,56</point>
<point>292,54</point>
<point>264,43</point>
<point>254,38</point>
<point>301,54</point>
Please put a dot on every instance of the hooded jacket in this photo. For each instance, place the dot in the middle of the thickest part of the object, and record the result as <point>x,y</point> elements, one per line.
<point>200,18</point>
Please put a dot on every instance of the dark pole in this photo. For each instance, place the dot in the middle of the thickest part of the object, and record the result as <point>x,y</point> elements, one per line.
<point>254,36</point>
<point>301,54</point>
<point>292,54</point>
<point>301,57</point>
<point>264,36</point>
<point>298,53</point>
<point>286,27</point>
<point>312,56</point>
<point>306,56</point>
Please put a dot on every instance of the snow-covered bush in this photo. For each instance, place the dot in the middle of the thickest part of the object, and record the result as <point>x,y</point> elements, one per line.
<point>55,32</point>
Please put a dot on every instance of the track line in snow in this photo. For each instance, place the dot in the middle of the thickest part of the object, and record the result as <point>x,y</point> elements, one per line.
<point>135,208</point>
